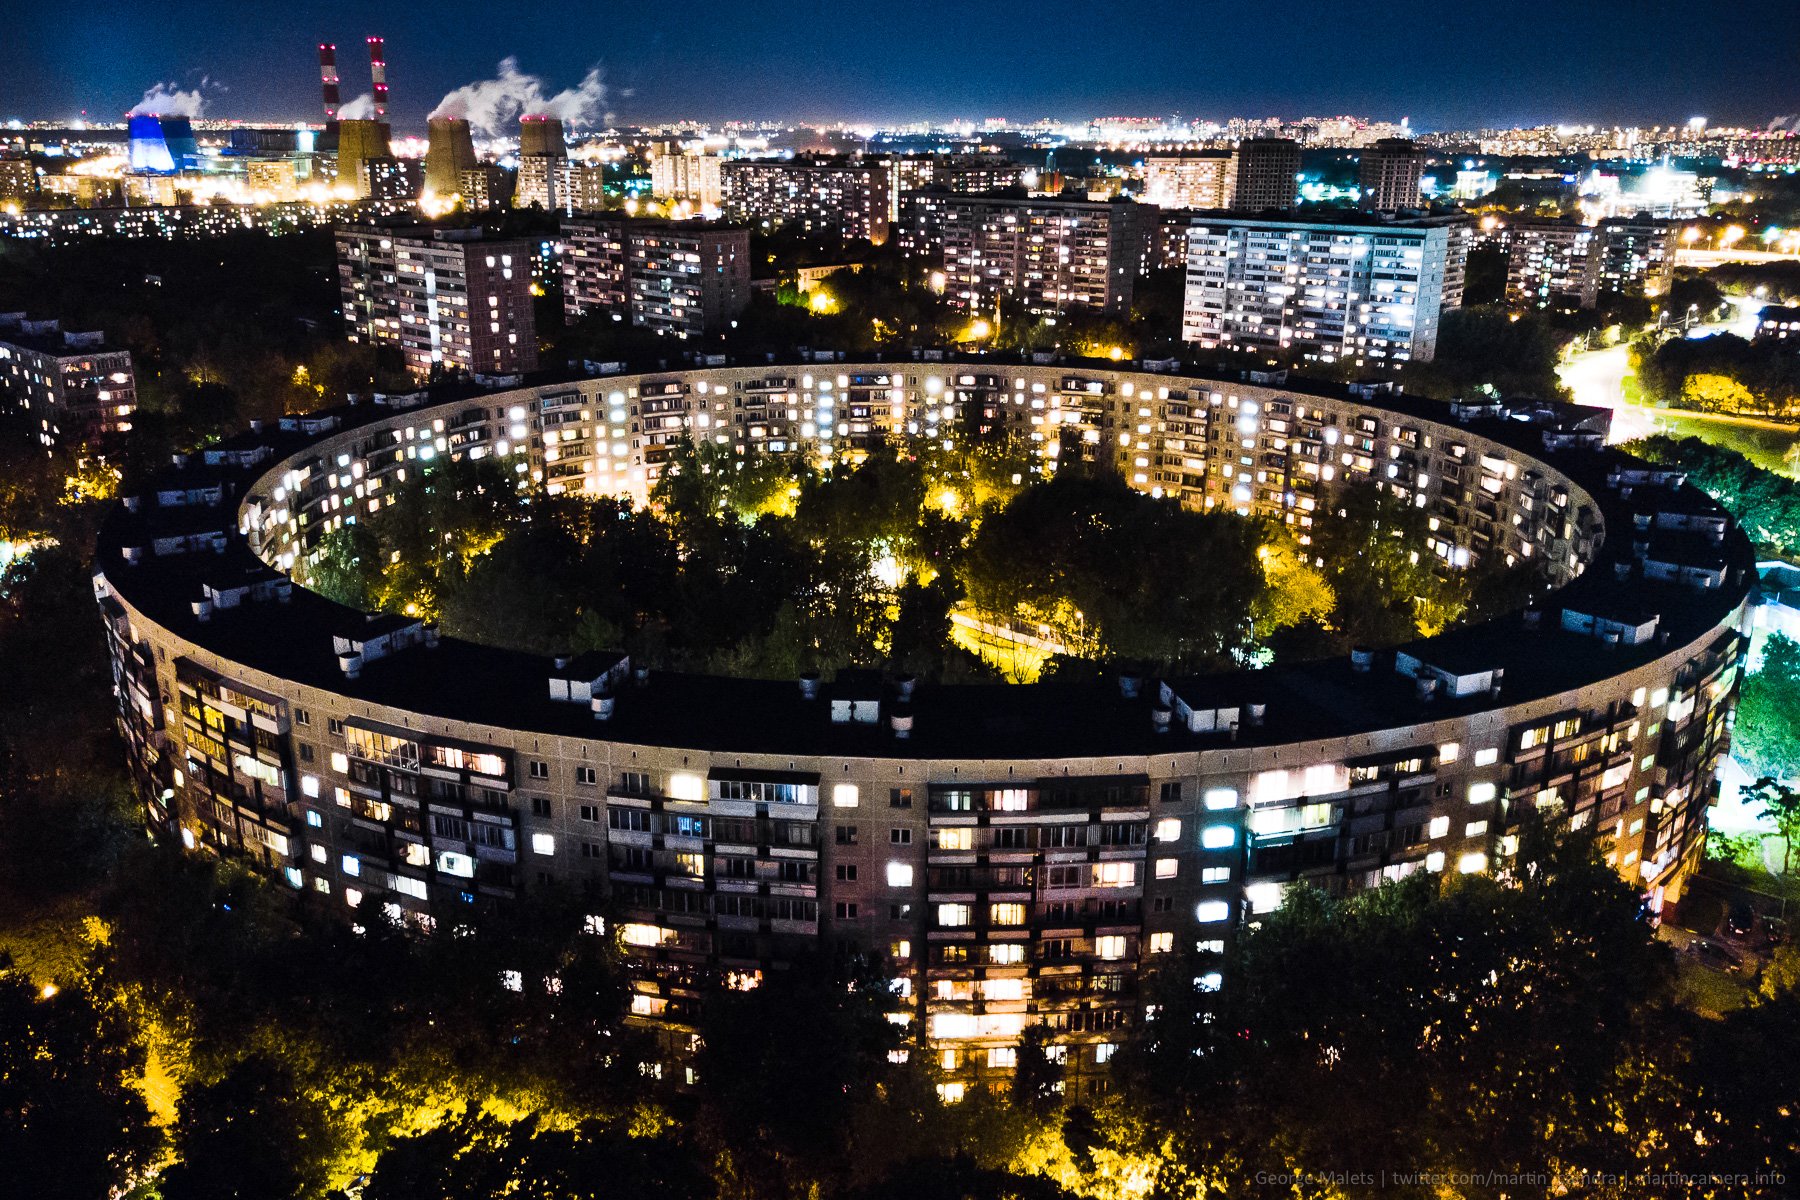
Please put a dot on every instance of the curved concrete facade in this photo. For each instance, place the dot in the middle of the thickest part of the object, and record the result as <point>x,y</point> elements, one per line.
<point>1015,855</point>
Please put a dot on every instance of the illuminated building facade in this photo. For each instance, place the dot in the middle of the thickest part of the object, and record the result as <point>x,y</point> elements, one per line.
<point>1265,174</point>
<point>847,197</point>
<point>1550,261</point>
<point>1048,252</point>
<point>1200,180</point>
<point>1367,291</point>
<point>18,181</point>
<point>696,178</point>
<point>1636,256</point>
<point>1015,856</point>
<point>71,388</point>
<point>970,173</point>
<point>681,278</point>
<point>1388,174</point>
<point>451,301</point>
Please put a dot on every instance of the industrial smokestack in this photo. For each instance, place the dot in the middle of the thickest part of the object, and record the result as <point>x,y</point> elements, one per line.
<point>448,153</point>
<point>328,79</point>
<point>378,75</point>
<point>542,137</point>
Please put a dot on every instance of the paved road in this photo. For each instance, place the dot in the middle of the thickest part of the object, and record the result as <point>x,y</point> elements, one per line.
<point>1597,377</point>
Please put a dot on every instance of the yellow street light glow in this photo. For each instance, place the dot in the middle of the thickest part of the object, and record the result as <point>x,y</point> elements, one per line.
<point>979,328</point>
<point>821,302</point>
<point>49,990</point>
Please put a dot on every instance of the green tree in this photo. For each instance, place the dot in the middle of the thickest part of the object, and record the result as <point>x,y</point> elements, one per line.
<point>1780,804</point>
<point>72,1122</point>
<point>1480,348</point>
<point>1766,737</point>
<point>1374,550</point>
<point>253,1132</point>
<point>780,1109</point>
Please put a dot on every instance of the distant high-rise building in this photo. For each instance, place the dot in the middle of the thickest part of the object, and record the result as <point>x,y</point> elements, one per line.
<point>965,173</point>
<point>1550,261</point>
<point>18,181</point>
<point>681,278</point>
<point>1265,174</point>
<point>696,178</point>
<point>1049,252</point>
<point>358,144</point>
<point>587,187</point>
<point>846,197</point>
<point>1389,174</point>
<point>485,186</point>
<point>1637,255</point>
<point>1366,291</point>
<point>450,300</point>
<point>543,165</point>
<point>449,151</point>
<point>71,388</point>
<point>1201,180</point>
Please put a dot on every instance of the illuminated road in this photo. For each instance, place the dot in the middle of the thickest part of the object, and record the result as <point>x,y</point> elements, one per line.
<point>1597,378</point>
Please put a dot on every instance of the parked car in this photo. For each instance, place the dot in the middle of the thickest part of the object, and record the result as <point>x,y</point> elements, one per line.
<point>1711,954</point>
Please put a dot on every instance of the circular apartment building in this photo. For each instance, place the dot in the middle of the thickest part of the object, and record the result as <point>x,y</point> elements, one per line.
<point>1019,854</point>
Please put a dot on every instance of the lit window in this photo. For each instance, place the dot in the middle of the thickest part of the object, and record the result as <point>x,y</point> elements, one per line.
<point>1217,798</point>
<point>1104,1052</point>
<point>1448,753</point>
<point>1110,946</point>
<point>543,843</point>
<point>1006,954</point>
<point>1263,897</point>
<point>340,761</point>
<point>1481,793</point>
<point>1209,912</point>
<point>1472,864</point>
<point>1488,757</point>
<point>1434,861</point>
<point>954,839</point>
<point>352,865</point>
<point>952,916</point>
<point>687,787</point>
<point>1162,943</point>
<point>950,1093</point>
<point>1006,914</point>
<point>1218,837</point>
<point>1475,828</point>
<point>1440,826</point>
<point>1002,1057</point>
<point>512,981</point>
<point>1209,982</point>
<point>309,786</point>
<point>319,854</point>
<point>1167,868</point>
<point>899,875</point>
<point>844,795</point>
<point>1168,829</point>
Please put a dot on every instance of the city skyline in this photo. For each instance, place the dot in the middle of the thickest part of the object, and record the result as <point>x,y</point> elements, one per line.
<point>1606,63</point>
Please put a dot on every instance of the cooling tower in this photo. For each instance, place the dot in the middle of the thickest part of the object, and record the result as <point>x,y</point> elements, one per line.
<point>542,137</point>
<point>358,142</point>
<point>448,153</point>
<point>162,144</point>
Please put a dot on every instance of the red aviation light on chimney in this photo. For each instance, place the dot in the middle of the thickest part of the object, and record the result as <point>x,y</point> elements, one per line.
<point>328,79</point>
<point>378,74</point>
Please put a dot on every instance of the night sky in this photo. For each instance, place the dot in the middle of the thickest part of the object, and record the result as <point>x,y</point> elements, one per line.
<point>1446,64</point>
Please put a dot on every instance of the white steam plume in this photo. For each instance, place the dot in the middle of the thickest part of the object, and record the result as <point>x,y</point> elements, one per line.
<point>169,100</point>
<point>494,106</point>
<point>360,109</point>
